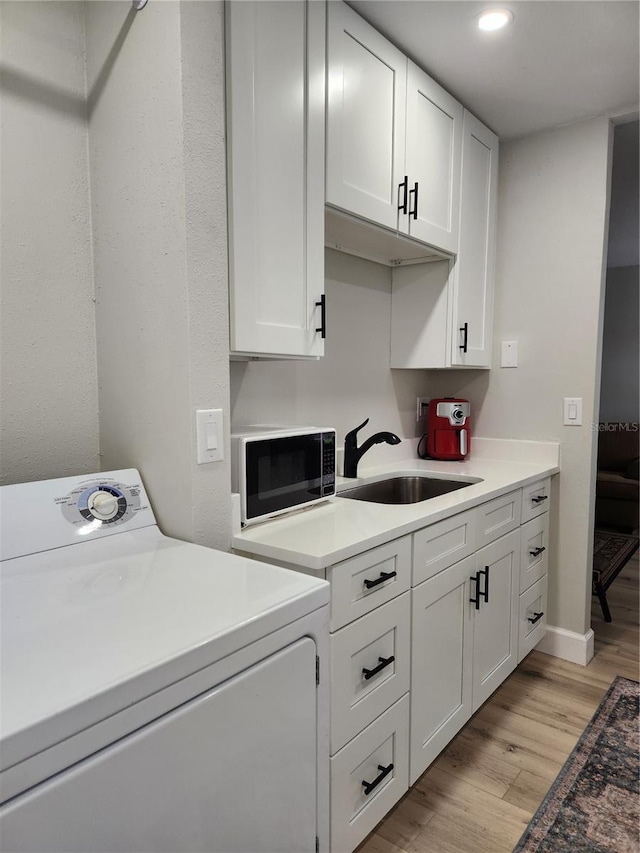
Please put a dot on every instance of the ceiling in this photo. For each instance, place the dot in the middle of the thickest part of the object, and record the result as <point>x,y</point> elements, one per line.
<point>558,62</point>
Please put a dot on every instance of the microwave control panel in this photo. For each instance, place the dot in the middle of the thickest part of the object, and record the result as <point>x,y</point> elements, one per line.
<point>328,463</point>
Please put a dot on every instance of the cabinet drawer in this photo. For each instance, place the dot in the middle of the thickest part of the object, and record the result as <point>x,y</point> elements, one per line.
<point>383,744</point>
<point>369,668</point>
<point>368,580</point>
<point>536,498</point>
<point>532,625</point>
<point>442,544</point>
<point>497,517</point>
<point>534,556</point>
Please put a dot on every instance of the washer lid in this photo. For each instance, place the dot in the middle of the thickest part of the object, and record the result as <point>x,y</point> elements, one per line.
<point>90,629</point>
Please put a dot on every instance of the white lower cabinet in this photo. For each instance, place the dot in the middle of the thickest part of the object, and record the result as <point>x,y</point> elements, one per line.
<point>495,615</point>
<point>464,644</point>
<point>368,777</point>
<point>369,668</point>
<point>532,622</point>
<point>441,661</point>
<point>424,629</point>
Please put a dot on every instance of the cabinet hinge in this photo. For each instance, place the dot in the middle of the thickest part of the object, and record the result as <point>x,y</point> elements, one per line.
<point>317,670</point>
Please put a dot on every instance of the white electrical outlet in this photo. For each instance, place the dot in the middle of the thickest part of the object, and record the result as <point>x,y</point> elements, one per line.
<point>422,404</point>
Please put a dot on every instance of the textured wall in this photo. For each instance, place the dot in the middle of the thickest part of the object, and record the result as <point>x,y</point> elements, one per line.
<point>157,182</point>
<point>48,395</point>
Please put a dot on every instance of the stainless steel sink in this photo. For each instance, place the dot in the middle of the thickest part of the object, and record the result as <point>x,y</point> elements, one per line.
<point>402,490</point>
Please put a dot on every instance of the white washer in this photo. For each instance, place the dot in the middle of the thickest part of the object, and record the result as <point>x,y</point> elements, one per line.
<point>155,695</point>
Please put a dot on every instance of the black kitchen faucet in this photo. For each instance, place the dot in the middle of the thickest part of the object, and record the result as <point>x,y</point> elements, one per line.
<point>353,454</point>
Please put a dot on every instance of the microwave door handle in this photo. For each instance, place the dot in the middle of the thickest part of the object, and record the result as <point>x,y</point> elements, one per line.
<point>463,442</point>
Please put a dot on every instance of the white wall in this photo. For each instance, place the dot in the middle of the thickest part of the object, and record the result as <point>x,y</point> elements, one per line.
<point>553,209</point>
<point>156,131</point>
<point>620,388</point>
<point>353,381</point>
<point>48,395</point>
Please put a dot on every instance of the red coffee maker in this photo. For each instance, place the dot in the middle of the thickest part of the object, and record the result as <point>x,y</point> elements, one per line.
<point>448,429</point>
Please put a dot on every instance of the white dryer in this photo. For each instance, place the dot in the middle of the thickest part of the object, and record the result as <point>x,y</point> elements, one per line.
<point>155,695</point>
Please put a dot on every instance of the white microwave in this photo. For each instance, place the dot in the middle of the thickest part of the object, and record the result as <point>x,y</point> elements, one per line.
<point>278,469</point>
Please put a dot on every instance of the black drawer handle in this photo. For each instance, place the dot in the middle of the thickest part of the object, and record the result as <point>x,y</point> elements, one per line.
<point>537,499</point>
<point>414,193</point>
<point>402,206</point>
<point>485,594</point>
<point>384,576</point>
<point>465,336</point>
<point>537,551</point>
<point>369,786</point>
<point>369,673</point>
<point>322,304</point>
<point>536,617</point>
<point>476,600</point>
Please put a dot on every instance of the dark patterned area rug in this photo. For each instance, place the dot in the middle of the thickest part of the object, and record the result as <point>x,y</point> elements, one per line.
<point>592,807</point>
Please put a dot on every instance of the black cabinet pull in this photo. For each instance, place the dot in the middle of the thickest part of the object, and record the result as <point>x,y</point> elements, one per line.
<point>537,551</point>
<point>369,673</point>
<point>465,336</point>
<point>536,617</point>
<point>485,593</point>
<point>537,499</point>
<point>476,600</point>
<point>322,304</point>
<point>384,576</point>
<point>369,786</point>
<point>402,206</point>
<point>414,193</point>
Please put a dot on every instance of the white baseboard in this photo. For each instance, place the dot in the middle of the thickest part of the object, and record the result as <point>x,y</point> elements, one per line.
<point>577,648</point>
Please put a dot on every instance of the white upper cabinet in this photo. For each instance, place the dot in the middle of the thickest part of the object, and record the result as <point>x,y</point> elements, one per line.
<point>366,118</point>
<point>433,154</point>
<point>442,312</point>
<point>275,152</point>
<point>393,136</point>
<point>473,273</point>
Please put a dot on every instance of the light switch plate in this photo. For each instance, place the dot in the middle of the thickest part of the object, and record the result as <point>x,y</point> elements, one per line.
<point>209,435</point>
<point>573,411</point>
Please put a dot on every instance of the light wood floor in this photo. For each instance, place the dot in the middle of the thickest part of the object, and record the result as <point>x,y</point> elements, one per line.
<point>483,790</point>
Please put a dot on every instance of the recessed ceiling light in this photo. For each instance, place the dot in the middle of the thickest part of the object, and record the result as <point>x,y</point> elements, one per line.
<point>494,19</point>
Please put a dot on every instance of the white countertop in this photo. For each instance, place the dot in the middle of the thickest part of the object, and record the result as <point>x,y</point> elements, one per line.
<point>326,533</point>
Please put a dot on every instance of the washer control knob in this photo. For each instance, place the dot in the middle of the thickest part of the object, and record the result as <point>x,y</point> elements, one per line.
<point>103,505</point>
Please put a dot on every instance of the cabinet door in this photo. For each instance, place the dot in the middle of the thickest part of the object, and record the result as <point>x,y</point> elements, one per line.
<point>495,621</point>
<point>474,270</point>
<point>365,118</point>
<point>441,656</point>
<point>433,155</point>
<point>275,145</point>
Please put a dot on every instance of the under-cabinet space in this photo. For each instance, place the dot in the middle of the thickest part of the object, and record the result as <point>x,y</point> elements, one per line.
<point>368,777</point>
